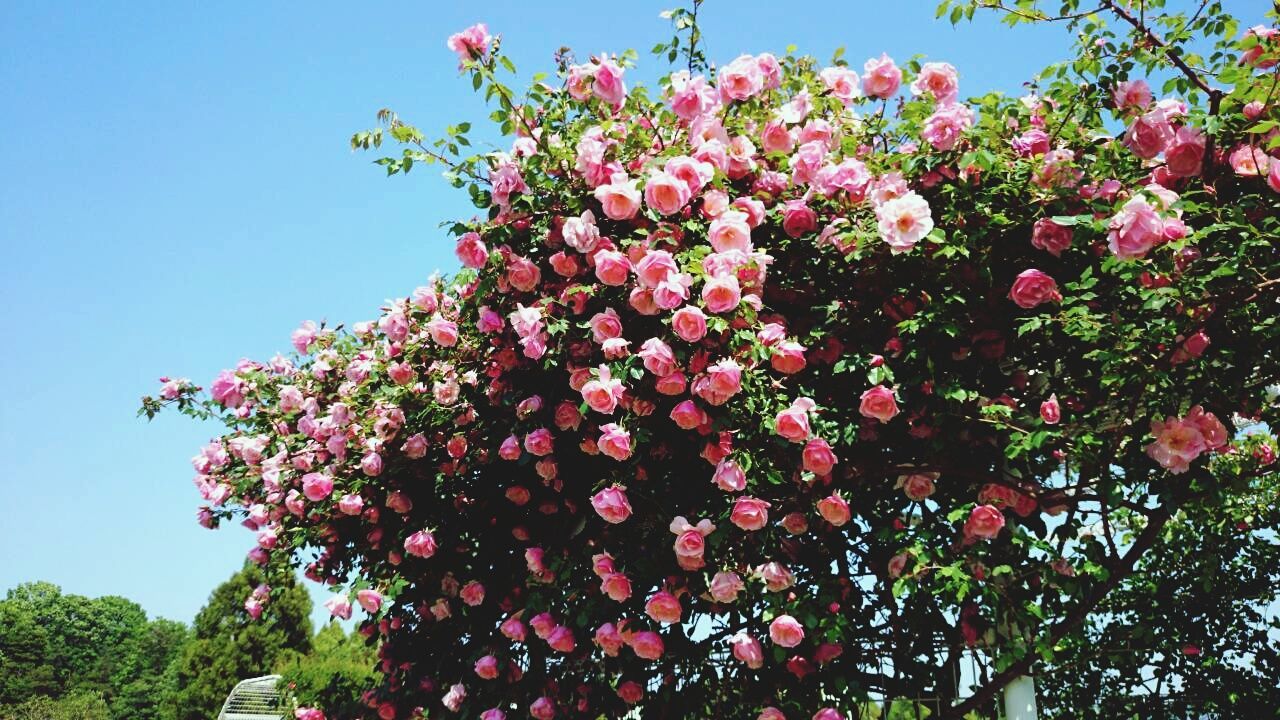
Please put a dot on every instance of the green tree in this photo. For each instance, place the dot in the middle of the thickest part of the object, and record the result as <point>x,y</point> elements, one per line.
<point>24,655</point>
<point>339,668</point>
<point>228,646</point>
<point>77,705</point>
<point>144,683</point>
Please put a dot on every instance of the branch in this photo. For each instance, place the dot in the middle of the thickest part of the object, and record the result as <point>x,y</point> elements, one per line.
<point>1125,568</point>
<point>1170,52</point>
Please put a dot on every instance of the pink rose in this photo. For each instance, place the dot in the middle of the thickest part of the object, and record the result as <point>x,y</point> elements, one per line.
<point>605,325</point>
<point>608,85</point>
<point>1131,94</point>
<point>647,645</point>
<point>747,650</point>
<point>725,586</point>
<point>657,357</point>
<point>1032,288</point>
<point>793,423</point>
<point>691,97</point>
<point>544,708</point>
<point>614,442</point>
<point>828,714</point>
<point>881,78</point>
<point>1049,410</point>
<point>630,691</point>
<point>834,509</point>
<point>841,83</point>
<point>603,393</point>
<point>513,629</point>
<point>818,457</point>
<point>471,250</point>
<point>729,476</point>
<point>1051,237</point>
<point>616,585</point>
<point>739,79</point>
<point>1266,39</point>
<point>581,233</point>
<point>654,267</point>
<point>771,713</point>
<point>688,416</point>
<point>939,80</point>
<point>1273,174</point>
<point>421,544</point>
<point>730,231</point>
<point>561,639</point>
<point>798,218</point>
<point>1179,441</point>
<point>750,513</point>
<point>612,267</point>
<point>609,639</point>
<point>540,442</point>
<point>1149,134</point>
<point>776,138</point>
<point>487,667</point>
<point>777,577</point>
<point>787,358</point>
<point>946,126</point>
<point>1249,161</point>
<point>471,43</point>
<point>904,221</point>
<point>1135,229</point>
<point>786,631</point>
<point>984,522</point>
<point>721,294</point>
<point>878,403</point>
<point>663,607</point>
<point>612,504</point>
<point>370,600</point>
<point>1185,153</point>
<point>620,198</point>
<point>665,194</point>
<point>316,486</point>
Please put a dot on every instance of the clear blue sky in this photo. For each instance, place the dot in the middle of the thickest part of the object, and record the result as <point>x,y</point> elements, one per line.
<point>176,192</point>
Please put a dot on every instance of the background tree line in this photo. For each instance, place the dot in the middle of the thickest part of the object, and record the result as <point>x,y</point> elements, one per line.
<point>69,657</point>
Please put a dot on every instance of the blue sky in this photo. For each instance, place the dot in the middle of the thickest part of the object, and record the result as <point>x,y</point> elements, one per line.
<point>176,192</point>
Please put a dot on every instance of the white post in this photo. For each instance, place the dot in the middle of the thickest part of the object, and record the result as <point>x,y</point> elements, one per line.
<point>1020,699</point>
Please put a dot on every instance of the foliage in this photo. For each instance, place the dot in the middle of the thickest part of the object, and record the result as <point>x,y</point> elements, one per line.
<point>333,675</point>
<point>780,388</point>
<point>227,646</point>
<point>76,705</point>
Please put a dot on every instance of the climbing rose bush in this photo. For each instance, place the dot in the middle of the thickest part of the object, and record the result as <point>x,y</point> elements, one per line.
<point>782,383</point>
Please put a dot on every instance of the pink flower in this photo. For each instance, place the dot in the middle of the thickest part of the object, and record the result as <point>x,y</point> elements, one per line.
<point>663,607</point>
<point>818,457</point>
<point>939,80</point>
<point>1179,441</point>
<point>1131,95</point>
<point>471,43</point>
<point>750,513</point>
<point>421,543</point>
<point>350,504</point>
<point>730,231</point>
<point>1051,237</point>
<point>338,607</point>
<point>904,221</point>
<point>614,442</point>
<point>777,577</point>
<point>725,586</point>
<point>841,83</point>
<point>689,323</point>
<point>984,522</point>
<point>443,332</point>
<point>748,650</point>
<point>828,714</point>
<point>808,159</point>
<point>850,176</point>
<point>692,97</point>
<point>504,181</point>
<point>304,336</point>
<point>1249,161</point>
<point>493,714</point>
<point>729,477</point>
<point>1135,229</point>
<point>771,713</point>
<point>740,79</point>
<point>657,357</point>
<point>1185,153</point>
<point>654,267</point>
<point>471,250</point>
<point>721,294</point>
<point>370,600</point>
<point>786,631</point>
<point>1032,288</point>
<point>608,85</point>
<point>1149,134</point>
<point>513,629</point>
<point>688,416</point>
<point>544,708</point>
<point>630,691</point>
<point>605,325</point>
<point>603,393</point>
<point>787,358</point>
<point>647,645</point>
<point>316,486</point>
<point>880,77</point>
<point>798,218</point>
<point>834,509</point>
<point>776,138</point>
<point>487,667</point>
<point>616,585</point>
<point>665,194</point>
<point>946,126</point>
<point>561,640</point>
<point>1266,39</point>
<point>879,403</point>
<point>1049,411</point>
<point>581,233</point>
<point>620,198</point>
<point>793,423</point>
<point>611,504</point>
<point>695,174</point>
<point>540,442</point>
<point>1273,174</point>
<point>612,267</point>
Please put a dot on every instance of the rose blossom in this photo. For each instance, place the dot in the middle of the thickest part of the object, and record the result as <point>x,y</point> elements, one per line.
<point>725,586</point>
<point>1032,288</point>
<point>903,221</point>
<point>1149,134</point>
<point>786,631</point>
<point>880,77</point>
<point>818,457</point>
<point>749,513</point>
<point>1135,229</point>
<point>581,233</point>
<point>729,477</point>
<point>612,267</point>
<point>470,43</point>
<point>878,403</point>
<point>793,423</point>
<point>665,194</point>
<point>1185,153</point>
<point>939,80</point>
<point>747,650</point>
<point>620,198</point>
<point>616,585</point>
<point>841,83</point>
<point>614,442</point>
<point>984,522</point>
<point>612,504</point>
<point>1049,410</point>
<point>1051,237</point>
<point>663,607</point>
<point>834,509</point>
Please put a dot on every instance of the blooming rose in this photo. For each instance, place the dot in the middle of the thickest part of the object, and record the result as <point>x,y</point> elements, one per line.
<point>688,416</point>
<point>471,250</point>
<point>834,509</point>
<point>544,708</point>
<point>612,267</point>
<point>721,293</point>
<point>470,43</point>
<point>786,631</point>
<point>944,128</point>
<point>663,607</point>
<point>581,233</point>
<point>1185,153</point>
<point>608,85</point>
<point>798,218</point>
<point>730,231</point>
<point>1135,229</point>
<point>1051,237</point>
<point>609,639</point>
<point>818,457</point>
<point>614,442</point>
<point>1049,410</point>
<point>740,79</point>
<point>1032,288</point>
<point>1179,441</point>
<point>612,504</point>
<point>487,667</point>
<point>316,486</point>
<point>647,645</point>
<point>725,586</point>
<point>603,393</point>
<point>984,522</point>
<point>787,358</point>
<point>1249,161</point>
<point>1149,134</point>
<point>879,403</point>
<point>939,80</point>
<point>903,221</point>
<point>616,585</point>
<point>1130,94</point>
<point>540,442</point>
<point>880,77</point>
<point>793,423</point>
<point>747,650</point>
<point>729,477</point>
<point>665,194</point>
<point>841,83</point>
<point>620,198</point>
<point>654,267</point>
<point>749,513</point>
<point>453,699</point>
